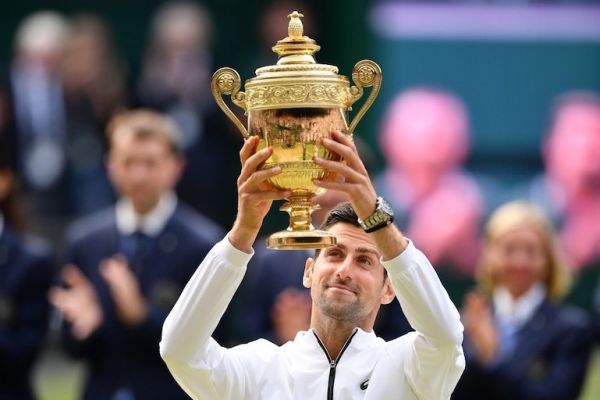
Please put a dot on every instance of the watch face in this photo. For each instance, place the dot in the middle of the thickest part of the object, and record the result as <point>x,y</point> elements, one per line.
<point>386,208</point>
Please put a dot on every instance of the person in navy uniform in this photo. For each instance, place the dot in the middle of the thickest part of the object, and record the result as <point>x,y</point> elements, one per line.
<point>522,343</point>
<point>128,264</point>
<point>25,274</point>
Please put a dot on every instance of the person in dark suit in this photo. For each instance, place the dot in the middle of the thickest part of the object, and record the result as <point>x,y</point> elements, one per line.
<point>128,264</point>
<point>35,120</point>
<point>25,274</point>
<point>521,343</point>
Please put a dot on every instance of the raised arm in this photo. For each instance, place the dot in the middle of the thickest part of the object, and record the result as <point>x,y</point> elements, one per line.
<point>435,359</point>
<point>203,368</point>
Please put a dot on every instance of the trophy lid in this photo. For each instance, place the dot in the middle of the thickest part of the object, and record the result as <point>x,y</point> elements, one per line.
<point>296,48</point>
<point>297,80</point>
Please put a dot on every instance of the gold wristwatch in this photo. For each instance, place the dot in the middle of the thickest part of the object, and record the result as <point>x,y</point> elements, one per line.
<point>381,217</point>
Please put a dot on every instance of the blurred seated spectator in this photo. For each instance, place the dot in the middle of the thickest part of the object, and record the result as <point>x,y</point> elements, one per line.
<point>129,263</point>
<point>25,274</point>
<point>425,139</point>
<point>175,80</point>
<point>569,189</point>
<point>94,90</point>
<point>520,342</point>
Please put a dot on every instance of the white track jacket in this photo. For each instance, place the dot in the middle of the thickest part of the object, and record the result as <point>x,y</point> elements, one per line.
<point>425,364</point>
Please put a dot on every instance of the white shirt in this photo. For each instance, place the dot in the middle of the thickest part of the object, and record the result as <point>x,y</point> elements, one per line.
<point>151,223</point>
<point>425,364</point>
<point>516,312</point>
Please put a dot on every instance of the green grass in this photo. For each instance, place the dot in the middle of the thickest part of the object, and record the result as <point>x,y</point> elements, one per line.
<point>58,378</point>
<point>591,390</point>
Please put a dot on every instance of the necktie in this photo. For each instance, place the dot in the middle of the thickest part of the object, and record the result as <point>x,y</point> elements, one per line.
<point>508,333</point>
<point>136,247</point>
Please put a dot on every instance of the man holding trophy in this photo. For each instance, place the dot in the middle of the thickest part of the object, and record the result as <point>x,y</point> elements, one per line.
<point>362,261</point>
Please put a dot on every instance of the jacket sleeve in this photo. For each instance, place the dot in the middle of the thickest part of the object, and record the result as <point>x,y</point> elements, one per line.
<point>203,368</point>
<point>435,358</point>
<point>21,340</point>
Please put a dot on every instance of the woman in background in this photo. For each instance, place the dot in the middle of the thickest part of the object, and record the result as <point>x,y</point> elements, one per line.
<point>520,343</point>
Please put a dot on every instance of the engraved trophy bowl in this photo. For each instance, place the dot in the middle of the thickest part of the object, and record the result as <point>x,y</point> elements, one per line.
<point>291,106</point>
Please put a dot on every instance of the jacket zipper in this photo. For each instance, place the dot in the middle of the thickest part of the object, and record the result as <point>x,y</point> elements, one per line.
<point>333,363</point>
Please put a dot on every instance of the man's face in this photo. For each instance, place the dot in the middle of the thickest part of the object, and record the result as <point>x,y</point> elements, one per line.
<point>142,169</point>
<point>347,280</point>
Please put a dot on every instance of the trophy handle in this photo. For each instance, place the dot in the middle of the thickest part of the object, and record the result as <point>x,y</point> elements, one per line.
<point>227,81</point>
<point>366,73</point>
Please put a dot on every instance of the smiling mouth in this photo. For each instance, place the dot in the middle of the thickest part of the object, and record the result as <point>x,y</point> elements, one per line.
<point>339,288</point>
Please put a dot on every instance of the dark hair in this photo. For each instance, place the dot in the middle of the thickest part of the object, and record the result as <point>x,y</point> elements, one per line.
<point>343,213</point>
<point>147,124</point>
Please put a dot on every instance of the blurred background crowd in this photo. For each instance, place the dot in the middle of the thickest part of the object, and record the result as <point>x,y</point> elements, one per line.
<point>485,139</point>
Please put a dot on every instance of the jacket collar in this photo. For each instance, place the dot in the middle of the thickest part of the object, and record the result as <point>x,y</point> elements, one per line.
<point>517,312</point>
<point>362,340</point>
<point>152,223</point>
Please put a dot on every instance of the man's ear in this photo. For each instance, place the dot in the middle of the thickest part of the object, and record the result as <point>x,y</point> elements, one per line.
<point>6,182</point>
<point>387,292</point>
<point>308,270</point>
<point>180,164</point>
<point>109,163</point>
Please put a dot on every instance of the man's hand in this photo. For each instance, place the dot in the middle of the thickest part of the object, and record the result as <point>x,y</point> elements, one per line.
<point>78,303</point>
<point>125,290</point>
<point>255,194</point>
<point>290,314</point>
<point>356,183</point>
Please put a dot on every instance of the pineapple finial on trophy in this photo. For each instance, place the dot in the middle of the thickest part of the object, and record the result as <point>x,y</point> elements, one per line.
<point>295,27</point>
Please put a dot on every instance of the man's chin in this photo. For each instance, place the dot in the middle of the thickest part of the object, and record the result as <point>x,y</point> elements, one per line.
<point>339,310</point>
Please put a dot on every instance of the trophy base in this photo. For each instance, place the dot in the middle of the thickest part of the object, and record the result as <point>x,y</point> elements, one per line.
<point>299,240</point>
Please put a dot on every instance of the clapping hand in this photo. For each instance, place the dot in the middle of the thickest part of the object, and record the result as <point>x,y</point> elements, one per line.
<point>125,290</point>
<point>480,327</point>
<point>78,303</point>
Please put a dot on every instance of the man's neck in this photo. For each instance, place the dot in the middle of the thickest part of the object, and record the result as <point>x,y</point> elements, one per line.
<point>333,334</point>
<point>142,209</point>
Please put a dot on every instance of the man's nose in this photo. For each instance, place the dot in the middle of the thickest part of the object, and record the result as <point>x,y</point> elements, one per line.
<point>344,268</point>
<point>138,173</point>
